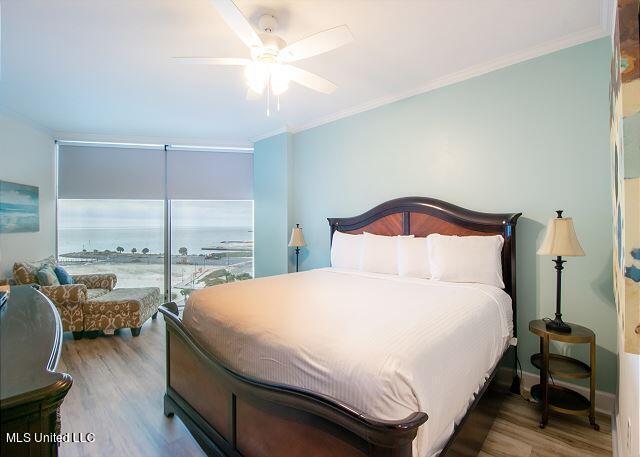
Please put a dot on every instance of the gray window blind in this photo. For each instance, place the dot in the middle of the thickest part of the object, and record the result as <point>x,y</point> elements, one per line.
<point>204,175</point>
<point>110,172</point>
<point>100,172</point>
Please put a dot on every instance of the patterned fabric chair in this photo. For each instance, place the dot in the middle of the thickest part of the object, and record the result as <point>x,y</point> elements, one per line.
<point>69,298</point>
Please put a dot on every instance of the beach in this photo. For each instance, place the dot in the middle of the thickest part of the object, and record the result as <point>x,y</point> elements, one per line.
<point>201,256</point>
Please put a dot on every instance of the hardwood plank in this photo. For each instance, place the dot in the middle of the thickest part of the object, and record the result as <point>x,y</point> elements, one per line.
<point>117,394</point>
<point>499,444</point>
<point>516,429</point>
<point>119,383</point>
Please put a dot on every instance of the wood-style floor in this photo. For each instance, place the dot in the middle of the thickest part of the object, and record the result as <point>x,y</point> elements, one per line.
<point>118,384</point>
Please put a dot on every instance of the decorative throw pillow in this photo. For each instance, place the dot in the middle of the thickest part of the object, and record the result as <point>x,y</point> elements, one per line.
<point>27,272</point>
<point>47,276</point>
<point>63,275</point>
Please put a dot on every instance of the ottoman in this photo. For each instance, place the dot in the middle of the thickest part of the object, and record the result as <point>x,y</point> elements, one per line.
<point>120,308</point>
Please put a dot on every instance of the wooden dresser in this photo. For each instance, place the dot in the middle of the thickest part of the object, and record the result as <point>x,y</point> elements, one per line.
<point>30,390</point>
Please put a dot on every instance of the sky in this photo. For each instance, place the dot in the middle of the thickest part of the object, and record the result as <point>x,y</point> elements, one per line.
<point>149,213</point>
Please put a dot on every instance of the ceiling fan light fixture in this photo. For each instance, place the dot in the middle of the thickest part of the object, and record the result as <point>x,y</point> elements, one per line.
<point>269,69</point>
<point>257,74</point>
<point>279,79</point>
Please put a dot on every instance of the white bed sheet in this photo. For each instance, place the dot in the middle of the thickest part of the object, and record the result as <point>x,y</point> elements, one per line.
<point>384,344</point>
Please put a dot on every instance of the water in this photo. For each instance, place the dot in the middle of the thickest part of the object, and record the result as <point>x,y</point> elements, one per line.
<point>193,238</point>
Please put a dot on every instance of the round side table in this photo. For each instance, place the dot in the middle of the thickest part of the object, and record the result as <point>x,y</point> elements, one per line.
<point>562,399</point>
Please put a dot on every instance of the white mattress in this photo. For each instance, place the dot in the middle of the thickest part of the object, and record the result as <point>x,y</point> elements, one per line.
<point>386,345</point>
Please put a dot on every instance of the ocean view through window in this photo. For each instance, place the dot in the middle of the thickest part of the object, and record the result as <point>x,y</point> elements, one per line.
<point>212,241</point>
<point>124,237</point>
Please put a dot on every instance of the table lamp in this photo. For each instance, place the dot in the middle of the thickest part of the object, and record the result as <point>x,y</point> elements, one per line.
<point>560,240</point>
<point>297,241</point>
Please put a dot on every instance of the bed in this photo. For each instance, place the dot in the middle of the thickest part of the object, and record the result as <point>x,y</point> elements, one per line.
<point>341,363</point>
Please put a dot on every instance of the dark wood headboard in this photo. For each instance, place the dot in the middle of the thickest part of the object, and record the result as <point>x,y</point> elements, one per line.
<point>421,216</point>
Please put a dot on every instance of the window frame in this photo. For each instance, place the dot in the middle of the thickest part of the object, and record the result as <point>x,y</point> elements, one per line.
<point>167,219</point>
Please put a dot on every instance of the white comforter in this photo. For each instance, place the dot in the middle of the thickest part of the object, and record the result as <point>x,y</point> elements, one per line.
<point>386,345</point>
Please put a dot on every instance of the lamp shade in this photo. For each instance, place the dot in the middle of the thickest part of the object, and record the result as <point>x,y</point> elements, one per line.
<point>561,239</point>
<point>297,238</point>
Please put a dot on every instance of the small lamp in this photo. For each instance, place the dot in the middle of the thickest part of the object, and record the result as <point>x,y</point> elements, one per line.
<point>297,241</point>
<point>560,240</point>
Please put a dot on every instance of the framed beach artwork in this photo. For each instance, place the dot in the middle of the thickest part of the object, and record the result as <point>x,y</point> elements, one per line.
<point>19,208</point>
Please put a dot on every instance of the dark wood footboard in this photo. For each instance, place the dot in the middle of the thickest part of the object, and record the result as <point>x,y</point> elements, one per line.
<point>232,415</point>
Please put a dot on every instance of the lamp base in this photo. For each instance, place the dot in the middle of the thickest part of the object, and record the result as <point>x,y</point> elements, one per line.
<point>558,325</point>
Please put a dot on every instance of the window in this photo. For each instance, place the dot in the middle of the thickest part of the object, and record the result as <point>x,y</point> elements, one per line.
<point>116,202</point>
<point>124,237</point>
<point>211,243</point>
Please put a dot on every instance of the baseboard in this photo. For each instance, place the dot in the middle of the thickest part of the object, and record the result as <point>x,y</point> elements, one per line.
<point>605,401</point>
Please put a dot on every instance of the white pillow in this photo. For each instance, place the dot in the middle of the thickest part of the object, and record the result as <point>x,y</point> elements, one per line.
<point>346,250</point>
<point>380,254</point>
<point>413,257</point>
<point>466,258</point>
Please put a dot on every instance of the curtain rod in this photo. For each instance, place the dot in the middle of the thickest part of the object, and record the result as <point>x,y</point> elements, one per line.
<point>169,147</point>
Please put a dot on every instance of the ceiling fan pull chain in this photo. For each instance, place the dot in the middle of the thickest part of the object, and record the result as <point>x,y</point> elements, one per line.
<point>268,96</point>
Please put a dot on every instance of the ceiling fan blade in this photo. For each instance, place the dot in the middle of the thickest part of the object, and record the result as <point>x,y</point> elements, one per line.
<point>238,23</point>
<point>316,44</point>
<point>310,80</point>
<point>253,95</point>
<point>213,60</point>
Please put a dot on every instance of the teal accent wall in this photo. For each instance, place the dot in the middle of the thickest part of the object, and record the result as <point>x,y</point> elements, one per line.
<point>532,137</point>
<point>272,167</point>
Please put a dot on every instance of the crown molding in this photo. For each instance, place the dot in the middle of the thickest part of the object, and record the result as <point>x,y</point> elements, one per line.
<point>549,47</point>
<point>574,39</point>
<point>264,136</point>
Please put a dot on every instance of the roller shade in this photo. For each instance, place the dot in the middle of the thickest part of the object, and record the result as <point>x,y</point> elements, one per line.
<point>94,172</point>
<point>98,172</point>
<point>204,175</point>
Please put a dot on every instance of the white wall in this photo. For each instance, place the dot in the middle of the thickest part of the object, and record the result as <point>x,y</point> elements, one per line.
<point>27,156</point>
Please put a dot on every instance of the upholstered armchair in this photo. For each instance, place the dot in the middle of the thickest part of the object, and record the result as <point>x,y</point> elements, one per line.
<point>69,299</point>
<point>105,281</point>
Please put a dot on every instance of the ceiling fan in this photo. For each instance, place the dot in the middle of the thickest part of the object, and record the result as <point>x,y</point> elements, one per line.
<point>269,66</point>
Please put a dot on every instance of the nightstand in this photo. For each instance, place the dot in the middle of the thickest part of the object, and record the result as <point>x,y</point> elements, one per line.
<point>553,397</point>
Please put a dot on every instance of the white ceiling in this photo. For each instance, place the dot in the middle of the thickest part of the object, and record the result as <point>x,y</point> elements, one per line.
<point>102,67</point>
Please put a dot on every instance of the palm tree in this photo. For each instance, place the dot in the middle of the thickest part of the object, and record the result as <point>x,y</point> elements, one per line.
<point>133,250</point>
<point>182,251</point>
<point>120,249</point>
